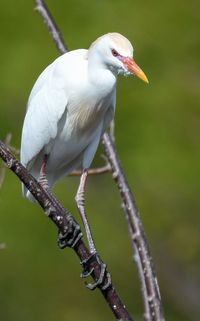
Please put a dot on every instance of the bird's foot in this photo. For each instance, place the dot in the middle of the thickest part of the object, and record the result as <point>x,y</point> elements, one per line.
<point>71,237</point>
<point>104,280</point>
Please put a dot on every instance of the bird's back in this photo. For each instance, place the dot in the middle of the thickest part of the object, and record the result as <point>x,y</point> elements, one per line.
<point>63,68</point>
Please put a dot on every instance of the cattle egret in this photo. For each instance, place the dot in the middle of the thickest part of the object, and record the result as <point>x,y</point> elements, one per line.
<point>69,108</point>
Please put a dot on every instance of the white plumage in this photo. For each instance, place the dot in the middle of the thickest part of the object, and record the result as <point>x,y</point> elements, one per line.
<point>72,104</point>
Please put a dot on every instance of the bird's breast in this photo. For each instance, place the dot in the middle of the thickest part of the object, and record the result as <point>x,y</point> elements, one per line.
<point>86,114</point>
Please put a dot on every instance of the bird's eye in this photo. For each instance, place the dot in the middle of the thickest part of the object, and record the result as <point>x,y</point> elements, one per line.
<point>114,53</point>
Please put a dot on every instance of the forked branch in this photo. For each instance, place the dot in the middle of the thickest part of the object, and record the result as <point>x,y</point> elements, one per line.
<point>65,223</point>
<point>143,259</point>
<point>149,285</point>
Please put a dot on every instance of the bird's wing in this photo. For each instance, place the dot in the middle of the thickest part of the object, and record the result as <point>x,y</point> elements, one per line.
<point>48,101</point>
<point>45,108</point>
<point>109,113</point>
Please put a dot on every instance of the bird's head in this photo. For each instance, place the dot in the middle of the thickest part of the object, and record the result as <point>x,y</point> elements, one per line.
<point>116,53</point>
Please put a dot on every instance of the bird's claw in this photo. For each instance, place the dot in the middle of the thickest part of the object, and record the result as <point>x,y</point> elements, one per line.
<point>71,237</point>
<point>84,263</point>
<point>104,280</point>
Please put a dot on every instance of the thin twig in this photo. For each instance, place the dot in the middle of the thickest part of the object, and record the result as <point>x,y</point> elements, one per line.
<point>93,171</point>
<point>65,223</point>
<point>2,175</point>
<point>41,7</point>
<point>8,138</point>
<point>7,141</point>
<point>14,150</point>
<point>143,258</point>
<point>112,130</point>
<point>150,290</point>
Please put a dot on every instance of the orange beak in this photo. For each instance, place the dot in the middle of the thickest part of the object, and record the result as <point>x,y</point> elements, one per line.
<point>134,68</point>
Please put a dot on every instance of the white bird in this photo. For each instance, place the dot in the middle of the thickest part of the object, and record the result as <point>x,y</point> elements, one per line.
<point>70,106</point>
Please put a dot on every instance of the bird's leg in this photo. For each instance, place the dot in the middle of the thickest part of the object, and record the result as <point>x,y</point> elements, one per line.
<point>73,234</point>
<point>80,201</point>
<point>104,280</point>
<point>43,178</point>
<point>44,181</point>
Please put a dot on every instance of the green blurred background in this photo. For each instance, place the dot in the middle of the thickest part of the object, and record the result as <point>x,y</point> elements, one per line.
<point>157,134</point>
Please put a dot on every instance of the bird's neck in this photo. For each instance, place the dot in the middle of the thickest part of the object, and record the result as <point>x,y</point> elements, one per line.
<point>99,74</point>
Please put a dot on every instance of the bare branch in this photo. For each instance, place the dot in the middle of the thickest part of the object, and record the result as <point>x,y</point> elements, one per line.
<point>112,130</point>
<point>51,24</point>
<point>65,223</point>
<point>7,141</point>
<point>13,149</point>
<point>2,175</point>
<point>150,289</point>
<point>93,171</point>
<point>143,259</point>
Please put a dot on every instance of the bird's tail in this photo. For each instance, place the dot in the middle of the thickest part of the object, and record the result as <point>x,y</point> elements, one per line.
<point>34,170</point>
